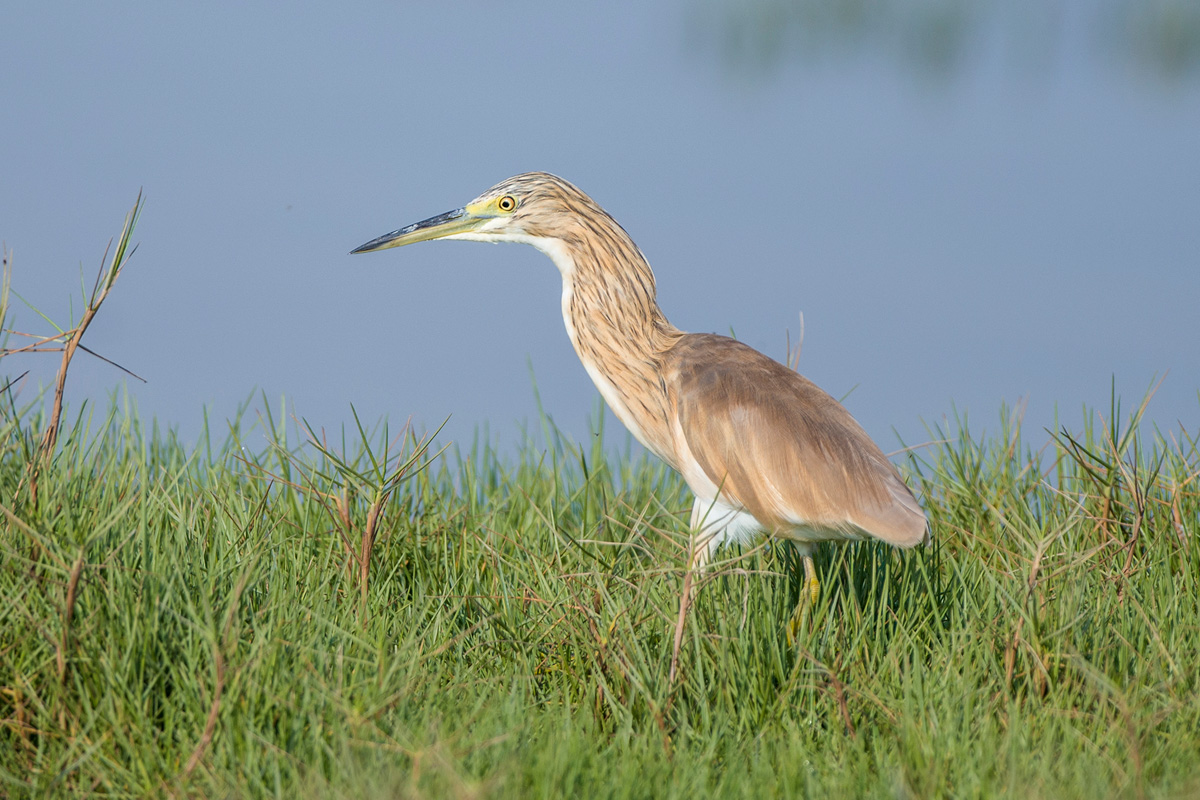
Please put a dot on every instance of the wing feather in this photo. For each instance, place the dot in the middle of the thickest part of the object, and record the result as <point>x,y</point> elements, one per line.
<point>782,448</point>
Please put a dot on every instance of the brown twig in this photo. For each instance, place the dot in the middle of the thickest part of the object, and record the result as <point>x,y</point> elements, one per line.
<point>368,543</point>
<point>105,278</point>
<point>685,600</point>
<point>836,687</point>
<point>68,613</point>
<point>839,695</point>
<point>220,639</point>
<point>214,711</point>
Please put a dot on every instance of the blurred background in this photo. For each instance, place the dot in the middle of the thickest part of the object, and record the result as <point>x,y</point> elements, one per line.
<point>970,202</point>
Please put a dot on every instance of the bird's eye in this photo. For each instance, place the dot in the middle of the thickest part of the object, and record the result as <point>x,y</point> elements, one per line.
<point>506,203</point>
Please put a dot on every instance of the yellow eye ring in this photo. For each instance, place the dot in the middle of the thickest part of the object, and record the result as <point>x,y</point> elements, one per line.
<point>507,203</point>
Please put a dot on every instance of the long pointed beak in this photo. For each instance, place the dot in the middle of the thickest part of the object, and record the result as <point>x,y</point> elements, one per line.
<point>460,220</point>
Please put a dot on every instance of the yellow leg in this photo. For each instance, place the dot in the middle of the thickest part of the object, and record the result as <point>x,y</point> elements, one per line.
<point>810,592</point>
<point>810,580</point>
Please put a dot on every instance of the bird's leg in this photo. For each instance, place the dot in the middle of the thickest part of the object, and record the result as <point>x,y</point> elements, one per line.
<point>705,538</point>
<point>703,545</point>
<point>810,592</point>
<point>707,525</point>
<point>810,579</point>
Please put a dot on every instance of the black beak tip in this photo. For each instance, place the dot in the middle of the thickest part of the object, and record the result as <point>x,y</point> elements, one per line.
<point>375,243</point>
<point>380,241</point>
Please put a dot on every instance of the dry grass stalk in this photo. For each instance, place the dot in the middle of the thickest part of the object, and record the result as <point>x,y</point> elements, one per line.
<point>69,341</point>
<point>214,713</point>
<point>68,613</point>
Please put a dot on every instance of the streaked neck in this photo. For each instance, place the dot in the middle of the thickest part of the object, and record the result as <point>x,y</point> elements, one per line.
<point>612,317</point>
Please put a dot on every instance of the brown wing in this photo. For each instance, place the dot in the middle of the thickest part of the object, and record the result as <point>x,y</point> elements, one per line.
<point>783,448</point>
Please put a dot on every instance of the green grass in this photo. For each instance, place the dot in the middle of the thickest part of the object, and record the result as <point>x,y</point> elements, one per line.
<point>193,622</point>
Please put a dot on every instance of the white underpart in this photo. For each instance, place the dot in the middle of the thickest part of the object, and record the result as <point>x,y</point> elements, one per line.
<point>559,254</point>
<point>715,520</point>
<point>693,474</point>
<point>715,523</point>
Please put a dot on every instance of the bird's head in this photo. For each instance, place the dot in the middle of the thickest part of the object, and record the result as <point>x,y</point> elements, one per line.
<point>534,208</point>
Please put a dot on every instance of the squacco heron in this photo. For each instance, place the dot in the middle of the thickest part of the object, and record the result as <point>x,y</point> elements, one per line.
<point>761,447</point>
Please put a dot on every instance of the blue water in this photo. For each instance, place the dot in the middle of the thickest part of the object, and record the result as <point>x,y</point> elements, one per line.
<point>969,203</point>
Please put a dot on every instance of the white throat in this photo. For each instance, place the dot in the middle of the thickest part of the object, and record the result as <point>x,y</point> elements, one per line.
<point>551,247</point>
